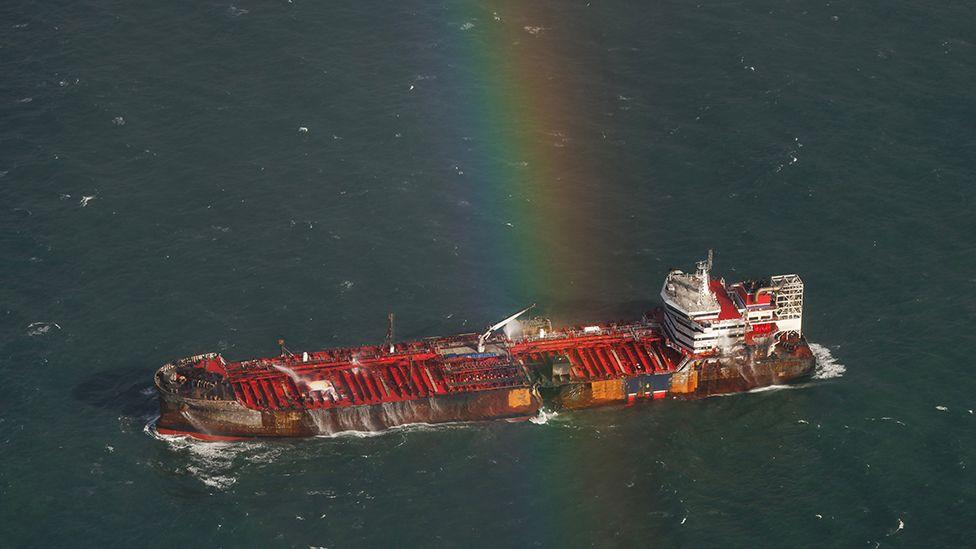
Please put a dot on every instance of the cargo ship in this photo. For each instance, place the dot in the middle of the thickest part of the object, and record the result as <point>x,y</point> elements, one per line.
<point>708,337</point>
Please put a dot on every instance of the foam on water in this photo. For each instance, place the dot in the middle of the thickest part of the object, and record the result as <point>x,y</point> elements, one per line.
<point>405,428</point>
<point>827,365</point>
<point>543,416</point>
<point>214,463</point>
<point>41,328</point>
<point>777,388</point>
<point>764,389</point>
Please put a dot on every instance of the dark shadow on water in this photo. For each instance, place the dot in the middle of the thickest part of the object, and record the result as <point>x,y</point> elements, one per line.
<point>128,391</point>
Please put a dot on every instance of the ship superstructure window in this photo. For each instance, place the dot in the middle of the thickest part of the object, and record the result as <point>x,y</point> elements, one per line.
<point>703,314</point>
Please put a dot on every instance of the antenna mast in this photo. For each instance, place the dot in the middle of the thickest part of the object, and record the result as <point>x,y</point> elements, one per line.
<point>703,279</point>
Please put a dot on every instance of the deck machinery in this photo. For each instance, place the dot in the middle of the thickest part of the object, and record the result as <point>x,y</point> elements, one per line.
<point>709,337</point>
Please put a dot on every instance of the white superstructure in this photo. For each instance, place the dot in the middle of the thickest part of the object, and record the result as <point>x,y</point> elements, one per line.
<point>702,314</point>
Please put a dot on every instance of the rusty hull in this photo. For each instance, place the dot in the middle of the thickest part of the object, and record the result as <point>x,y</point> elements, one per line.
<point>217,419</point>
<point>699,379</point>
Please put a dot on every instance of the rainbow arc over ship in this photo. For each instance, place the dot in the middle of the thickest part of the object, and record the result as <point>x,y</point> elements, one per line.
<point>533,177</point>
<point>521,115</point>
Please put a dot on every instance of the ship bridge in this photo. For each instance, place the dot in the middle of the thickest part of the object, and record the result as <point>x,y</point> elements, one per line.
<point>703,314</point>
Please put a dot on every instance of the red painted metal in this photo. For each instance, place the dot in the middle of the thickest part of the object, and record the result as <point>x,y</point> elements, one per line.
<point>728,309</point>
<point>372,374</point>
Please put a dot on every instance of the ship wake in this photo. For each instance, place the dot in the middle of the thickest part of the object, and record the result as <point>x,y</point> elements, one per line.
<point>543,416</point>
<point>213,463</point>
<point>403,428</point>
<point>827,365</point>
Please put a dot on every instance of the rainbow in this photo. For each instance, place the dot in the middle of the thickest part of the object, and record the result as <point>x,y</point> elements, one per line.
<point>531,190</point>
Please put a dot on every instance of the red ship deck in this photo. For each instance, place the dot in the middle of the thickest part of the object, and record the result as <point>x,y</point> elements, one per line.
<point>614,352</point>
<point>442,366</point>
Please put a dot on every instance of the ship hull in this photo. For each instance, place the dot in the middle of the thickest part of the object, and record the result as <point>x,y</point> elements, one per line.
<point>229,420</point>
<point>721,377</point>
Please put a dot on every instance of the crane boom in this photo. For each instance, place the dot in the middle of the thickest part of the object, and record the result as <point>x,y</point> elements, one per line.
<point>484,336</point>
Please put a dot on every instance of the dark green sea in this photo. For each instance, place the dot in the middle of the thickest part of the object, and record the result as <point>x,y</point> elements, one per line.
<point>159,198</point>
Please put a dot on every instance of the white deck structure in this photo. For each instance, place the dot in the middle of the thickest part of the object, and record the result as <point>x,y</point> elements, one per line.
<point>703,314</point>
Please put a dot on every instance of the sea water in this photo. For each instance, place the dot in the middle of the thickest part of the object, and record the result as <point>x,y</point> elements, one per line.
<point>178,178</point>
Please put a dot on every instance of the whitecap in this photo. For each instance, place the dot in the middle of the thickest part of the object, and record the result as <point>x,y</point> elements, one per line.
<point>827,365</point>
<point>35,329</point>
<point>543,416</point>
<point>767,388</point>
<point>406,427</point>
<point>777,388</point>
<point>213,463</point>
<point>220,482</point>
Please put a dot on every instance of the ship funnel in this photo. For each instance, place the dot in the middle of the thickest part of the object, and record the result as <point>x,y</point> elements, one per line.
<point>484,336</point>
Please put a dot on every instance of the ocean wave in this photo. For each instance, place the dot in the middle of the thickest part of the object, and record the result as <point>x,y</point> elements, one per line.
<point>827,365</point>
<point>41,328</point>
<point>405,428</point>
<point>214,463</point>
<point>777,388</point>
<point>543,416</point>
<point>763,389</point>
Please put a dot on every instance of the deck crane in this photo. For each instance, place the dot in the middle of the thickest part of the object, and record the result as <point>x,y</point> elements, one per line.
<point>483,337</point>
